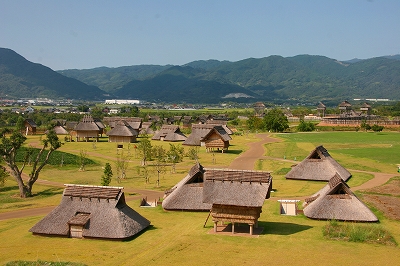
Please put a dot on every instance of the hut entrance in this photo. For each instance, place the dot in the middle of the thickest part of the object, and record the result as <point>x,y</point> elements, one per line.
<point>77,224</point>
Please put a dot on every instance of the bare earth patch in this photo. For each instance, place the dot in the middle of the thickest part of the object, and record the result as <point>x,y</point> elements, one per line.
<point>386,198</point>
<point>390,206</point>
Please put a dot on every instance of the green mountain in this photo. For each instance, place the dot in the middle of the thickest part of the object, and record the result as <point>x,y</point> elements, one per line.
<point>112,79</point>
<point>20,78</point>
<point>302,78</point>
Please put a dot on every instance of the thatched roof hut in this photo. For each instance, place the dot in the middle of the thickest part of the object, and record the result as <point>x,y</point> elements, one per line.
<point>169,133</point>
<point>199,131</point>
<point>318,166</point>
<point>237,196</point>
<point>187,195</point>
<point>92,212</point>
<point>88,128</point>
<point>216,138</point>
<point>122,132</point>
<point>336,201</point>
<point>30,127</point>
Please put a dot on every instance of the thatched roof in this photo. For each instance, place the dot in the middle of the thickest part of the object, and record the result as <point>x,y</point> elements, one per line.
<point>146,128</point>
<point>336,201</point>
<point>318,166</point>
<point>102,211</point>
<point>345,104</point>
<point>60,130</point>
<point>123,129</point>
<point>88,124</point>
<point>199,131</point>
<point>188,193</point>
<point>236,187</point>
<point>219,130</point>
<point>30,122</point>
<point>169,133</point>
<point>222,123</point>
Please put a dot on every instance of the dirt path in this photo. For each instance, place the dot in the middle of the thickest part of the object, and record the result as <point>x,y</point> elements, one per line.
<point>247,160</point>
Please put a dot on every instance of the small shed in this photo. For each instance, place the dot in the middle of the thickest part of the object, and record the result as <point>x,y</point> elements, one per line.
<point>288,207</point>
<point>92,212</point>
<point>216,138</point>
<point>30,127</point>
<point>237,196</point>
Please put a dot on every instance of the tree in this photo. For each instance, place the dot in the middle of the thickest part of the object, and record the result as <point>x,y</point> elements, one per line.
<point>377,128</point>
<point>20,124</point>
<point>82,160</point>
<point>175,155</point>
<point>144,147</point>
<point>3,175</point>
<point>106,177</point>
<point>276,121</point>
<point>305,126</point>
<point>160,156</point>
<point>8,150</point>
<point>122,165</point>
<point>255,123</point>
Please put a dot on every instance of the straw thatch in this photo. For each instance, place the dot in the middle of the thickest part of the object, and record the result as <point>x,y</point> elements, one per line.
<point>336,201</point>
<point>60,130</point>
<point>188,193</point>
<point>92,212</point>
<point>216,138</point>
<point>146,128</point>
<point>318,166</point>
<point>88,128</point>
<point>222,123</point>
<point>236,196</point>
<point>199,131</point>
<point>169,133</point>
<point>122,132</point>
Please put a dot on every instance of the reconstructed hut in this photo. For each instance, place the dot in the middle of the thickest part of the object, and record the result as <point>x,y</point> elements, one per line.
<point>30,127</point>
<point>87,128</point>
<point>187,121</point>
<point>216,138</point>
<point>222,123</point>
<point>199,131</point>
<point>237,196</point>
<point>318,166</point>
<point>187,195</point>
<point>146,128</point>
<point>169,133</point>
<point>336,201</point>
<point>122,132</point>
<point>92,212</point>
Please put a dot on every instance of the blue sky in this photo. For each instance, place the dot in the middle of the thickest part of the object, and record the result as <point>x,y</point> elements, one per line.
<point>86,34</point>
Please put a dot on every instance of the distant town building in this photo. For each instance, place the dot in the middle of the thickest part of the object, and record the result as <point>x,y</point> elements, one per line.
<point>122,101</point>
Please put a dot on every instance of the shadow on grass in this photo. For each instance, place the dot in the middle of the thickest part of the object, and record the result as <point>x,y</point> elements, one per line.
<point>49,192</point>
<point>276,228</point>
<point>234,151</point>
<point>4,189</point>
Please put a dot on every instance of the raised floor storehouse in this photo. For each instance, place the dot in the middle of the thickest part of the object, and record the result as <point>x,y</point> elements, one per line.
<point>92,212</point>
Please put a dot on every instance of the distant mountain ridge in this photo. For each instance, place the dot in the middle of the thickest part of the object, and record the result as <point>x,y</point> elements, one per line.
<point>21,78</point>
<point>301,78</point>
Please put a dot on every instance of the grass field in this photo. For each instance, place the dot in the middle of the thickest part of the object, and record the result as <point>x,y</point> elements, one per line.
<point>178,238</point>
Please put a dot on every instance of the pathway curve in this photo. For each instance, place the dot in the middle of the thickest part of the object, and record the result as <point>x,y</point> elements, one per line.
<point>247,160</point>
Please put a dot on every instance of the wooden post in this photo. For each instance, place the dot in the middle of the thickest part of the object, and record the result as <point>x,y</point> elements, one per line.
<point>233,228</point>
<point>251,229</point>
<point>215,226</point>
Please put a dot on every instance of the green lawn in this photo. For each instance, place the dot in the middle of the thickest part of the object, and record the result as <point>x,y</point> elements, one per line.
<point>178,238</point>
